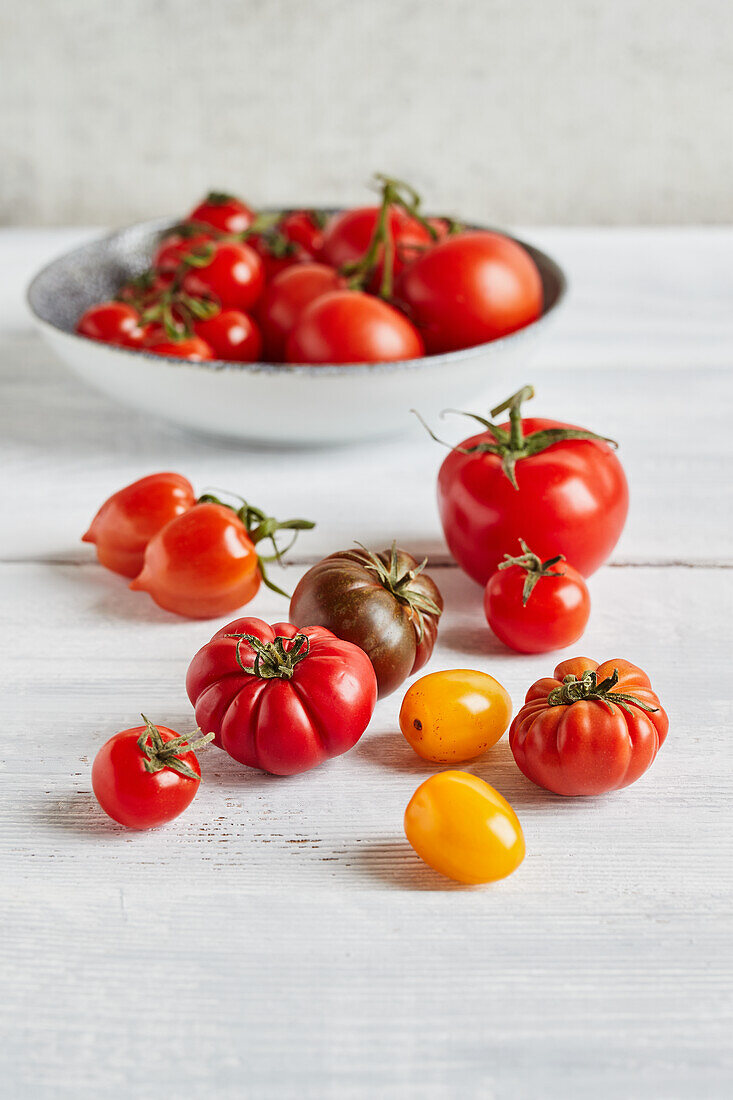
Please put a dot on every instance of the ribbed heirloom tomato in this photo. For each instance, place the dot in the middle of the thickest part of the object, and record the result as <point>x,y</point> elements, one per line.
<point>281,698</point>
<point>588,728</point>
<point>559,487</point>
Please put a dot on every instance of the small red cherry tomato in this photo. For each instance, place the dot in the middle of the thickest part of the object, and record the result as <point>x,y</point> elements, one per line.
<point>231,272</point>
<point>232,335</point>
<point>589,728</point>
<point>174,246</point>
<point>277,253</point>
<point>286,297</point>
<point>223,212</point>
<point>534,606</point>
<point>127,521</point>
<point>282,698</point>
<point>348,235</point>
<point>348,326</point>
<point>146,776</point>
<point>190,347</point>
<point>304,228</point>
<point>111,323</point>
<point>469,289</point>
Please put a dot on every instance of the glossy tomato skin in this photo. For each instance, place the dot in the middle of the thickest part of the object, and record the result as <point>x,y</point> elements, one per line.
<point>233,274</point>
<point>348,236</point>
<point>469,289</point>
<point>111,323</point>
<point>224,213</point>
<point>348,326</point>
<point>129,519</point>
<point>283,726</point>
<point>572,500</point>
<point>555,615</point>
<point>173,247</point>
<point>192,348</point>
<point>342,594</point>
<point>201,564</point>
<point>464,829</point>
<point>286,297</point>
<point>588,747</point>
<point>133,796</point>
<point>302,227</point>
<point>454,716</point>
<point>232,335</point>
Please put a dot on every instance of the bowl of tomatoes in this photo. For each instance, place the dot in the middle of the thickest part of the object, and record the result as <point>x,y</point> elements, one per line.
<point>299,326</point>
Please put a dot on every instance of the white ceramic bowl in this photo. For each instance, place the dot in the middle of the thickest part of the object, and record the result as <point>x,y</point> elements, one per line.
<point>264,402</point>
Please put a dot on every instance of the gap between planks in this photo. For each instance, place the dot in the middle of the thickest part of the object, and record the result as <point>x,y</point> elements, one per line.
<point>437,561</point>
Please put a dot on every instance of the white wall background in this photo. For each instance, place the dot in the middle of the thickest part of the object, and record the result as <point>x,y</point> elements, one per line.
<point>554,111</point>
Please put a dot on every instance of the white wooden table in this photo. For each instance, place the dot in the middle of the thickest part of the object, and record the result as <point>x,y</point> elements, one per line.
<point>281,939</point>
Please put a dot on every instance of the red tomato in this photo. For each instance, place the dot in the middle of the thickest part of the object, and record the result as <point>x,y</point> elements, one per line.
<point>348,236</point>
<point>589,728</point>
<point>146,776</point>
<point>469,289</point>
<point>112,323</point>
<point>201,564</point>
<point>127,521</point>
<point>223,212</point>
<point>533,606</point>
<point>285,299</point>
<point>347,326</point>
<point>276,252</point>
<point>191,347</point>
<point>232,335</point>
<point>173,247</point>
<point>570,496</point>
<point>304,228</point>
<point>233,273</point>
<point>281,698</point>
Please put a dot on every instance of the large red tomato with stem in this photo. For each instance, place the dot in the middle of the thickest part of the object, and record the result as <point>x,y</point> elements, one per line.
<point>223,212</point>
<point>281,698</point>
<point>286,297</point>
<point>588,728</point>
<point>112,323</point>
<point>559,487</point>
<point>232,335</point>
<point>470,288</point>
<point>533,605</point>
<point>229,271</point>
<point>127,520</point>
<point>147,775</point>
<point>205,562</point>
<point>348,326</point>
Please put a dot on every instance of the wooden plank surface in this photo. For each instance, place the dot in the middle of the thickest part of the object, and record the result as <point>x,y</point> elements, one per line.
<point>281,939</point>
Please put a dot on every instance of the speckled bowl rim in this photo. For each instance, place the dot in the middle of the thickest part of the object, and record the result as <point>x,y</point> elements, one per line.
<point>549,269</point>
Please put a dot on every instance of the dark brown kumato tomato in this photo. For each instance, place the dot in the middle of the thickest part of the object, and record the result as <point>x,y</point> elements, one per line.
<point>385,603</point>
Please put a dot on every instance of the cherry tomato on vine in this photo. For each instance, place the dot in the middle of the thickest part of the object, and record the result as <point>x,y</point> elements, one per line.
<point>534,606</point>
<point>190,347</point>
<point>304,228</point>
<point>112,323</point>
<point>471,288</point>
<point>173,247</point>
<point>231,272</point>
<point>286,297</point>
<point>277,253</point>
<point>223,212</point>
<point>463,828</point>
<point>589,728</point>
<point>145,776</point>
<point>559,487</point>
<point>232,335</point>
<point>348,326</point>
<point>127,520</point>
<point>348,235</point>
<point>455,716</point>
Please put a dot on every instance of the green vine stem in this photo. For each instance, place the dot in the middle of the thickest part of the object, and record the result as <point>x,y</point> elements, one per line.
<point>260,526</point>
<point>160,754</point>
<point>534,568</point>
<point>398,581</point>
<point>512,445</point>
<point>573,690</point>
<point>272,660</point>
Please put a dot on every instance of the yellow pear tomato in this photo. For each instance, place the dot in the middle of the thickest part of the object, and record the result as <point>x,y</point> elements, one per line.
<point>463,828</point>
<point>450,717</point>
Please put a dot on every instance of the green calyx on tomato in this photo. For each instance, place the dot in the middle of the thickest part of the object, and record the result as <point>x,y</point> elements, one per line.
<point>573,690</point>
<point>272,660</point>
<point>511,445</point>
<point>534,567</point>
<point>260,526</point>
<point>160,754</point>
<point>398,580</point>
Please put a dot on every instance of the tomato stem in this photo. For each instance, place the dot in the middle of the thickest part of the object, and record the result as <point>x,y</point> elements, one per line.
<point>573,690</point>
<point>272,660</point>
<point>399,582</point>
<point>160,754</point>
<point>534,567</point>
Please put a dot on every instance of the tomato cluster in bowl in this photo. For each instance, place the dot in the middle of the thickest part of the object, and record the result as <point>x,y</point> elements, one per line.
<point>369,284</point>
